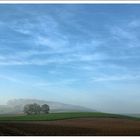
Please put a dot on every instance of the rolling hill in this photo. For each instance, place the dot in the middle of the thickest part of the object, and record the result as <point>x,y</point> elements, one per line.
<point>16,106</point>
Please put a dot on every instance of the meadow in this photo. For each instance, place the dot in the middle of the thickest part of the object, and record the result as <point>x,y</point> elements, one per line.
<point>61,116</point>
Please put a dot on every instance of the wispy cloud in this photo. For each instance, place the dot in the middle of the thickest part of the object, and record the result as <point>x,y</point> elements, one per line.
<point>126,35</point>
<point>57,43</point>
<point>10,78</point>
<point>21,59</point>
<point>134,23</point>
<point>60,83</point>
<point>46,42</point>
<point>122,33</point>
<point>110,78</point>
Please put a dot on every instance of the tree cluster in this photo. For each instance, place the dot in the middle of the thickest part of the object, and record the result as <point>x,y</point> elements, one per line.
<point>30,109</point>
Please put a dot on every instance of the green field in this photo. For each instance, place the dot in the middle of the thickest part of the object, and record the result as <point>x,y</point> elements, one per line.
<point>62,116</point>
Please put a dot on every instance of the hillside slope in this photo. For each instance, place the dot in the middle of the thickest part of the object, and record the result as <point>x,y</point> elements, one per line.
<point>16,106</point>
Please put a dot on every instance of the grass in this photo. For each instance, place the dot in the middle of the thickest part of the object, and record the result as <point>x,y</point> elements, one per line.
<point>62,116</point>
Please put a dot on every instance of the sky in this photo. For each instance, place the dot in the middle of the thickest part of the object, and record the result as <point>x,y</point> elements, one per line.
<point>81,54</point>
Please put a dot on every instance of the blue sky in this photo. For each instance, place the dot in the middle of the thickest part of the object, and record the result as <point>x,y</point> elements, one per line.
<point>73,53</point>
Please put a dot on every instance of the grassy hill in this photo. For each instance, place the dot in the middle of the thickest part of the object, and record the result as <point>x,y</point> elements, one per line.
<point>62,116</point>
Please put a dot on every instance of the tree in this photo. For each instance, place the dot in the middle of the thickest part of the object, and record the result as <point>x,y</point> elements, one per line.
<point>28,109</point>
<point>45,109</point>
<point>36,108</point>
<point>32,109</point>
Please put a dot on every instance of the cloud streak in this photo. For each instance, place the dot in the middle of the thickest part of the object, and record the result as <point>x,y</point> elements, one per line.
<point>111,78</point>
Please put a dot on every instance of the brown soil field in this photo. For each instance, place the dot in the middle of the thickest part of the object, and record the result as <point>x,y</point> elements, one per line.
<point>72,127</point>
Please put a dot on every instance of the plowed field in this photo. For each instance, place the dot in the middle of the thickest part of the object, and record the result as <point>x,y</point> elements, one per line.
<point>72,127</point>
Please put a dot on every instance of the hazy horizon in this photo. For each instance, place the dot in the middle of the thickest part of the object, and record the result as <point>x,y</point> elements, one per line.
<point>77,54</point>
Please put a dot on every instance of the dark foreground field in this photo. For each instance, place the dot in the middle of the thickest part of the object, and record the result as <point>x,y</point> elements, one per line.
<point>72,127</point>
